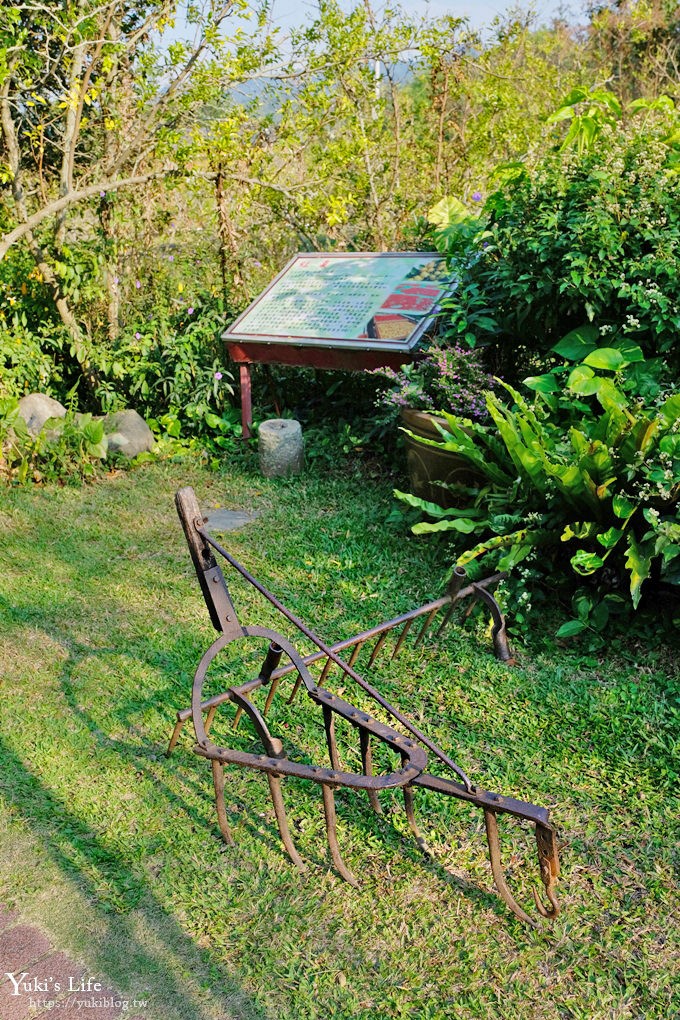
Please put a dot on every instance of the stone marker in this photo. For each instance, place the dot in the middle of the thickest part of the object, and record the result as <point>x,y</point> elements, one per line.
<point>280,447</point>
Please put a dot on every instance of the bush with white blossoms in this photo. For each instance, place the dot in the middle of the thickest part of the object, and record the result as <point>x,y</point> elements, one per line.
<point>589,234</point>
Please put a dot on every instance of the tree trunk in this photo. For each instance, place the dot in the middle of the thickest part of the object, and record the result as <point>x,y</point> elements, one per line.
<point>79,343</point>
<point>232,279</point>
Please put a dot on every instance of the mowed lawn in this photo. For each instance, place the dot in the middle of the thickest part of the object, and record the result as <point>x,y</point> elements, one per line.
<point>114,850</point>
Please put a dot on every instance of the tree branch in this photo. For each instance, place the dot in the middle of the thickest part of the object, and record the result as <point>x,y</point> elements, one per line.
<point>56,206</point>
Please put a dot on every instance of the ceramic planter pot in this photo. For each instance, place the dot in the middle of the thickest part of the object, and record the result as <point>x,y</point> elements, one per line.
<point>431,468</point>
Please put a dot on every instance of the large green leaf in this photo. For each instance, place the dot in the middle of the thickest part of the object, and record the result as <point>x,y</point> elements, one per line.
<point>582,379</point>
<point>543,383</point>
<point>576,486</point>
<point>610,396</point>
<point>638,562</point>
<point>630,350</point>
<point>623,507</point>
<point>579,529</point>
<point>571,628</point>
<point>639,439</point>
<point>574,346</point>
<point>585,563</point>
<point>610,537</point>
<point>606,357</point>
<point>670,410</point>
<point>433,509</point>
<point>670,445</point>
<point>449,212</point>
<point>515,555</point>
<point>476,448</point>
<point>489,544</point>
<point>461,524</point>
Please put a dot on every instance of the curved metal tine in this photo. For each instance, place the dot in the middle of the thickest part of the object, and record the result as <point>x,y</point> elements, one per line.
<point>497,869</point>
<point>471,605</point>
<point>413,825</point>
<point>218,783</point>
<point>209,718</point>
<point>296,688</point>
<point>402,637</point>
<point>282,822</point>
<point>329,726</point>
<point>377,647</point>
<point>430,617</point>
<point>325,671</point>
<point>332,833</point>
<point>447,616</point>
<point>355,653</point>
<point>498,634</point>
<point>549,864</point>
<point>367,764</point>
<point>270,695</point>
<point>179,725</point>
<point>237,717</point>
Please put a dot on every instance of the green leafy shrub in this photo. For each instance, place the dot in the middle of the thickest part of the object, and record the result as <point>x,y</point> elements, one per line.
<point>167,361</point>
<point>172,368</point>
<point>65,449</point>
<point>586,475</point>
<point>29,360</point>
<point>590,234</point>
<point>32,341</point>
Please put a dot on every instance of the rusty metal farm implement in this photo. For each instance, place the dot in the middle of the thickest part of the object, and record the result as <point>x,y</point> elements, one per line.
<point>283,660</point>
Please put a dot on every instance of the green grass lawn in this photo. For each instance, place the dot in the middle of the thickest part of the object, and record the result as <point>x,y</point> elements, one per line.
<point>114,849</point>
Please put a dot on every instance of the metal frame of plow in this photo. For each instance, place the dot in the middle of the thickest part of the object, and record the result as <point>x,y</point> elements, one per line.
<point>412,748</point>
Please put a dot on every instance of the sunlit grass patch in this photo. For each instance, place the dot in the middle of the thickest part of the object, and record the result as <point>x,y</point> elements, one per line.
<point>102,628</point>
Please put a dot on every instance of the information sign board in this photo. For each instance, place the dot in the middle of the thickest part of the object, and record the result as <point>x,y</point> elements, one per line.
<point>353,311</point>
<point>354,300</point>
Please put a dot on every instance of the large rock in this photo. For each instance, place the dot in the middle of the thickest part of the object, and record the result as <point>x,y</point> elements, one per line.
<point>36,408</point>
<point>128,433</point>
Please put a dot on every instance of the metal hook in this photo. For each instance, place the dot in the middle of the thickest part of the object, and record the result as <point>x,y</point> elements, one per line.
<point>548,863</point>
<point>497,868</point>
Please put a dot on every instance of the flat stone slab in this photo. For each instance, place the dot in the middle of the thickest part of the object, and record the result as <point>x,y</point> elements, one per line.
<point>49,983</point>
<point>229,520</point>
<point>20,947</point>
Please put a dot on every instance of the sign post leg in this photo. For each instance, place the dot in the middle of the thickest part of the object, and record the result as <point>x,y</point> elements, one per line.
<point>246,400</point>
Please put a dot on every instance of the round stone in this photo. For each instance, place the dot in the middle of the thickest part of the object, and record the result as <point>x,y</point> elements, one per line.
<point>280,447</point>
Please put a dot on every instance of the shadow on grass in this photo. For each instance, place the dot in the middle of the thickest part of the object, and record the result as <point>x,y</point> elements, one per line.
<point>169,662</point>
<point>170,657</point>
<point>102,873</point>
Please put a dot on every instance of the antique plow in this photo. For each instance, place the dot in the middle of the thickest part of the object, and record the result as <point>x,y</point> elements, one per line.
<point>282,659</point>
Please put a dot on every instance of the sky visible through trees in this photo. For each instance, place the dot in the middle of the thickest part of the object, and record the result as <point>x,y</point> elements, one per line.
<point>289,13</point>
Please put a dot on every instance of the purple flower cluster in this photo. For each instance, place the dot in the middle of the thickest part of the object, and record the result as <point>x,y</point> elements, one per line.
<point>450,379</point>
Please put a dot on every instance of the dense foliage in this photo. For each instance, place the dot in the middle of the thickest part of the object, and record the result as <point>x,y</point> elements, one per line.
<point>143,175</point>
<point>151,188</point>
<point>590,233</point>
<point>571,274</point>
<point>586,475</point>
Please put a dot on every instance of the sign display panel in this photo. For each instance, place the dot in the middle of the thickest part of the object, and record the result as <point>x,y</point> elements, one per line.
<point>368,301</point>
